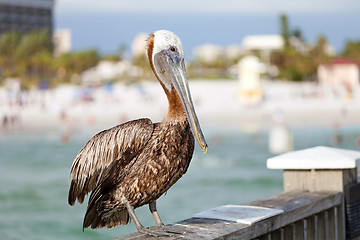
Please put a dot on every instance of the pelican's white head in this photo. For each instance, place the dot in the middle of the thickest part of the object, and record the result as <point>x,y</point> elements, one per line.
<point>163,46</point>
<point>166,40</point>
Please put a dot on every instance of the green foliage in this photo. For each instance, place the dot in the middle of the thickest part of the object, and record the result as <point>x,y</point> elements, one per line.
<point>352,50</point>
<point>142,62</point>
<point>69,64</point>
<point>285,32</point>
<point>8,44</point>
<point>298,34</point>
<point>29,57</point>
<point>111,58</point>
<point>34,42</point>
<point>296,65</point>
<point>210,69</point>
<point>292,65</point>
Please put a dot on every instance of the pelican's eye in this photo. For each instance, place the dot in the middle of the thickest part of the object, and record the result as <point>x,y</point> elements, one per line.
<point>173,49</point>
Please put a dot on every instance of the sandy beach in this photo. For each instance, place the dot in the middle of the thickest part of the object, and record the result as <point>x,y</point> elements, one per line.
<point>71,108</point>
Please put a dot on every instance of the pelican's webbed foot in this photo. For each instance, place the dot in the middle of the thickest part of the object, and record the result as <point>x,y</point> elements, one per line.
<point>172,230</point>
<point>154,232</point>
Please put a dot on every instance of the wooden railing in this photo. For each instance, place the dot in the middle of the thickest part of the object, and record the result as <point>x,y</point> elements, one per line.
<point>321,200</point>
<point>306,216</point>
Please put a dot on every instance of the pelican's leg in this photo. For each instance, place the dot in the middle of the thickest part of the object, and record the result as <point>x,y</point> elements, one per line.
<point>140,227</point>
<point>155,214</point>
<point>158,221</point>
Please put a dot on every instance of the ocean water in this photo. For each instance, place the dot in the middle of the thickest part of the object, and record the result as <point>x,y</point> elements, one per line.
<point>34,171</point>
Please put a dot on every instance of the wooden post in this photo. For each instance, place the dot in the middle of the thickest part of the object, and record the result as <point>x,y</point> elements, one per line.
<point>320,169</point>
<point>317,169</point>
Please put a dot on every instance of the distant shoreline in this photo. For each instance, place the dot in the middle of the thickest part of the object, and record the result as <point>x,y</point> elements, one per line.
<point>69,108</point>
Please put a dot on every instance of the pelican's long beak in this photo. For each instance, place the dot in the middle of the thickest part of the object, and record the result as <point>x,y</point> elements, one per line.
<point>170,68</point>
<point>180,82</point>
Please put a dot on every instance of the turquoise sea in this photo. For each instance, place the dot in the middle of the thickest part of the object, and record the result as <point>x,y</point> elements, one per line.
<point>34,171</point>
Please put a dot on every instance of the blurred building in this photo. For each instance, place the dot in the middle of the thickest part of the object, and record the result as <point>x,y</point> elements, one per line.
<point>234,51</point>
<point>263,42</point>
<point>62,41</point>
<point>340,72</point>
<point>108,70</point>
<point>208,53</point>
<point>26,15</point>
<point>138,45</point>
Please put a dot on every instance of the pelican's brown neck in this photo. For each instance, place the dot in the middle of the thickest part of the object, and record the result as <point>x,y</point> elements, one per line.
<point>176,109</point>
<point>150,49</point>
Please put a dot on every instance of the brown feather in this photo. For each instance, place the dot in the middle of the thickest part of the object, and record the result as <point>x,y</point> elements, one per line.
<point>122,142</point>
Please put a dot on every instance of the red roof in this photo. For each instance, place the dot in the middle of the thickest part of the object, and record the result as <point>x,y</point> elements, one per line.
<point>342,60</point>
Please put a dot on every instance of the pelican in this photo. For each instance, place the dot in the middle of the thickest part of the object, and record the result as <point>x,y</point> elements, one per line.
<point>134,163</point>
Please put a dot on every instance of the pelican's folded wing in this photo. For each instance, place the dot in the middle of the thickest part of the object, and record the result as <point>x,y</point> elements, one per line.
<point>120,143</point>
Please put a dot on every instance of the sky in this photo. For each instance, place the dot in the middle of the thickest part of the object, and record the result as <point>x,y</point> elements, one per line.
<point>109,24</point>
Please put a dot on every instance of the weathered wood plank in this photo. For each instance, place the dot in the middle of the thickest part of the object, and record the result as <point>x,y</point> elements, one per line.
<point>311,228</point>
<point>340,219</point>
<point>332,228</point>
<point>289,231</point>
<point>276,235</point>
<point>265,237</point>
<point>299,230</point>
<point>321,228</point>
<point>318,180</point>
<point>296,205</point>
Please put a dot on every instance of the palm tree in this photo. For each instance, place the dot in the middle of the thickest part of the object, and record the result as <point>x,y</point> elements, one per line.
<point>30,53</point>
<point>69,64</point>
<point>8,44</point>
<point>352,50</point>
